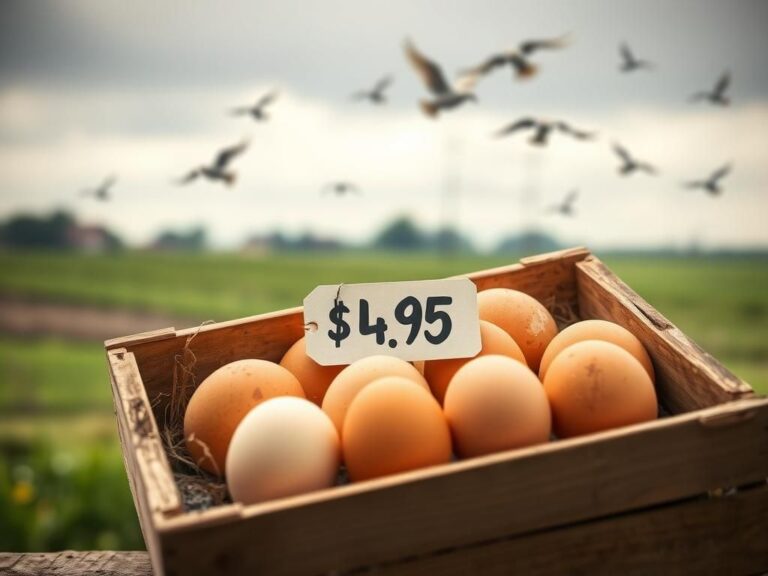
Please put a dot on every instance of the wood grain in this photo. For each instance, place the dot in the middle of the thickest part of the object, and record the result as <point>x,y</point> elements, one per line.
<point>474,500</point>
<point>149,474</point>
<point>687,377</point>
<point>69,563</point>
<point>703,536</point>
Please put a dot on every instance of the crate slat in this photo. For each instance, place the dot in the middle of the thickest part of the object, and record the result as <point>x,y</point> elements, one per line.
<point>688,378</point>
<point>705,536</point>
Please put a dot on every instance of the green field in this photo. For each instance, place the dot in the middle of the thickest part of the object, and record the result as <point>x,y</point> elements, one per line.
<point>61,479</point>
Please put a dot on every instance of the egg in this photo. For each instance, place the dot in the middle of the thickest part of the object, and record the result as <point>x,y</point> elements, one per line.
<point>359,374</point>
<point>522,317</point>
<point>313,377</point>
<point>223,399</point>
<point>493,340</point>
<point>596,330</point>
<point>283,447</point>
<point>393,426</point>
<point>496,403</point>
<point>595,385</point>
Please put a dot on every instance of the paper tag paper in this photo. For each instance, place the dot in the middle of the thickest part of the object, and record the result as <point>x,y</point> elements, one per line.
<point>421,320</point>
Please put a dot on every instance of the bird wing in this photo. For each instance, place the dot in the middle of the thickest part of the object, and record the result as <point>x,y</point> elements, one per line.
<point>626,53</point>
<point>190,176</point>
<point>268,98</point>
<point>720,173</point>
<point>531,46</point>
<point>240,111</point>
<point>571,197</point>
<point>722,83</point>
<point>382,84</point>
<point>430,73</point>
<point>521,124</point>
<point>109,181</point>
<point>623,153</point>
<point>491,63</point>
<point>226,155</point>
<point>579,134</point>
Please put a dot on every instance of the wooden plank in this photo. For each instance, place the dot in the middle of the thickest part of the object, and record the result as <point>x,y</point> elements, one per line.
<point>69,563</point>
<point>704,536</point>
<point>474,500</point>
<point>151,336</point>
<point>143,434</point>
<point>687,377</point>
<point>151,481</point>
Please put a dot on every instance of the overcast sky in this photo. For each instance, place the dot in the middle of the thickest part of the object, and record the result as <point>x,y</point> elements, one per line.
<point>142,89</point>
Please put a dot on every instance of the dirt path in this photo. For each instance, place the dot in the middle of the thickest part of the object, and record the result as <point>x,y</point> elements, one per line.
<point>21,317</point>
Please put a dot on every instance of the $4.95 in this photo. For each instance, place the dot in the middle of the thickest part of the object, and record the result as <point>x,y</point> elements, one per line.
<point>408,312</point>
<point>417,320</point>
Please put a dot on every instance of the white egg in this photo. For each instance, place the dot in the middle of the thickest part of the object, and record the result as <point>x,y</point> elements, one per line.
<point>283,447</point>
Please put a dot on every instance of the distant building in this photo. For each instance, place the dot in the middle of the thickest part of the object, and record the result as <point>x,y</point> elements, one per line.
<point>258,246</point>
<point>89,239</point>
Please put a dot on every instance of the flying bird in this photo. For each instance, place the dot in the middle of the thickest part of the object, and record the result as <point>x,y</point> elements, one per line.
<point>376,94</point>
<point>717,94</point>
<point>101,192</point>
<point>629,62</point>
<point>431,74</point>
<point>256,111</point>
<point>341,188</point>
<point>565,208</point>
<point>711,184</point>
<point>542,130</point>
<point>518,59</point>
<point>218,169</point>
<point>630,164</point>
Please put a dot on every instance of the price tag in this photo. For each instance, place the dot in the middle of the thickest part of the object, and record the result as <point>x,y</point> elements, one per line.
<point>422,320</point>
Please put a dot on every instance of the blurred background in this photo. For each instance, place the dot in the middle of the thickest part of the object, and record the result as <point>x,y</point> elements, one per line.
<point>109,225</point>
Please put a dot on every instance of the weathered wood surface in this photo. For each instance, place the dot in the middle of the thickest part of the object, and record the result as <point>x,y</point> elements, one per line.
<point>716,536</point>
<point>70,563</point>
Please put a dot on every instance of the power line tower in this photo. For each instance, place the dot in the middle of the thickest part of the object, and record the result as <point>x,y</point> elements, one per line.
<point>450,194</point>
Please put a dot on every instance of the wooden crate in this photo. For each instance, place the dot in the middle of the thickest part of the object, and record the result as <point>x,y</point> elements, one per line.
<point>686,493</point>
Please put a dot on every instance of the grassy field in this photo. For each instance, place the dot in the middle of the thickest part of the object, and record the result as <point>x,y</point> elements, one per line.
<point>61,479</point>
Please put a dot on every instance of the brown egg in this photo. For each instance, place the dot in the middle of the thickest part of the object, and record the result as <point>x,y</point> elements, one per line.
<point>595,385</point>
<point>596,330</point>
<point>393,426</point>
<point>522,317</point>
<point>313,377</point>
<point>357,376</point>
<point>223,399</point>
<point>493,340</point>
<point>496,403</point>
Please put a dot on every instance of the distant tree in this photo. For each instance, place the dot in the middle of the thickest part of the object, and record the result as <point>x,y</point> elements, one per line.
<point>401,234</point>
<point>192,240</point>
<point>451,240</point>
<point>529,242</point>
<point>26,231</point>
